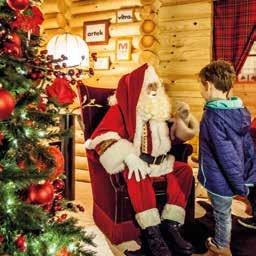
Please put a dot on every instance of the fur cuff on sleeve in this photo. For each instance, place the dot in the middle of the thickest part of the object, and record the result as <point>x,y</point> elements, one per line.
<point>92,143</point>
<point>113,158</point>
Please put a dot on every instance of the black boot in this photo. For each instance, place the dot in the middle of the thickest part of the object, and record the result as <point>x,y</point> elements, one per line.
<point>153,243</point>
<point>171,233</point>
<point>250,222</point>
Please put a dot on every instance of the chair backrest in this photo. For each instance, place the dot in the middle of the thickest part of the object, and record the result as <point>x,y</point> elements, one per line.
<point>91,116</point>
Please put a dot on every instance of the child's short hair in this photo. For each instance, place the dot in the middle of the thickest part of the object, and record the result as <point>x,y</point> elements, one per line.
<point>220,73</point>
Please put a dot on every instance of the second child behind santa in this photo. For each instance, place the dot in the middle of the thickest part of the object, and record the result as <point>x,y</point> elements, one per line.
<point>134,138</point>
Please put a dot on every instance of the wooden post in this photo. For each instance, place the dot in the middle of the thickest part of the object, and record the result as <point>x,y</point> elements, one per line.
<point>67,122</point>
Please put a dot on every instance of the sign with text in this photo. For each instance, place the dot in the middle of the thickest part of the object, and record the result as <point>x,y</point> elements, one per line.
<point>96,32</point>
<point>125,15</point>
<point>123,48</point>
<point>101,63</point>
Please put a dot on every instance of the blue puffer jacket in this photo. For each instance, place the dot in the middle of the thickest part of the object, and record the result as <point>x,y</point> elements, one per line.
<point>227,160</point>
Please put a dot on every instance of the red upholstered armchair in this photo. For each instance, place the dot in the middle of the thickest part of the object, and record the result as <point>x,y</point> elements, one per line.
<point>112,210</point>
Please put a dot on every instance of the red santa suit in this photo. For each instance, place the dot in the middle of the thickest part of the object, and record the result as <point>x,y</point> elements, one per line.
<point>123,132</point>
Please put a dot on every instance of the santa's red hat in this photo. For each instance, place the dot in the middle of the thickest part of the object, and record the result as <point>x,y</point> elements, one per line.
<point>128,93</point>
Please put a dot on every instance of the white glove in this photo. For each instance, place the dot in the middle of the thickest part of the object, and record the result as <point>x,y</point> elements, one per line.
<point>136,166</point>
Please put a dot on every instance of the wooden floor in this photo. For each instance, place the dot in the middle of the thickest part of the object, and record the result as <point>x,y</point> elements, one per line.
<point>84,197</point>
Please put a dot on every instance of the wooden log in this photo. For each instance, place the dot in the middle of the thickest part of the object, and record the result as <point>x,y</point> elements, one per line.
<point>79,19</point>
<point>149,57</point>
<point>49,6</point>
<point>49,33</point>
<point>186,25</point>
<point>177,2</point>
<point>183,86</point>
<point>181,54</point>
<point>147,12</point>
<point>81,163</point>
<point>62,6</point>
<point>80,150</point>
<point>172,79</point>
<point>50,23</point>
<point>181,68</point>
<point>101,5</point>
<point>79,138</point>
<point>185,12</point>
<point>187,93</point>
<point>124,29</point>
<point>61,20</point>
<point>173,46</point>
<point>148,42</point>
<point>103,81</point>
<point>186,44</point>
<point>155,4</point>
<point>117,69</point>
<point>148,26</point>
<point>191,101</point>
<point>82,175</point>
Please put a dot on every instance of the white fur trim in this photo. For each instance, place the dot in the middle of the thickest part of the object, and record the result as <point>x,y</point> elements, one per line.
<point>183,131</point>
<point>92,143</point>
<point>112,100</point>
<point>148,218</point>
<point>150,76</point>
<point>174,212</point>
<point>164,168</point>
<point>161,142</point>
<point>113,158</point>
<point>138,134</point>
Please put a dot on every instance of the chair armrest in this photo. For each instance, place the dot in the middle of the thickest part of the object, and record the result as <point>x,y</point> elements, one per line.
<point>181,152</point>
<point>117,181</point>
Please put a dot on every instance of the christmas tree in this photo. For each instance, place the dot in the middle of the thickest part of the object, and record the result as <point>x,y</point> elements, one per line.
<point>33,89</point>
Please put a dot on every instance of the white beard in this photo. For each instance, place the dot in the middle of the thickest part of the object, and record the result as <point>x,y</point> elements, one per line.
<point>156,107</point>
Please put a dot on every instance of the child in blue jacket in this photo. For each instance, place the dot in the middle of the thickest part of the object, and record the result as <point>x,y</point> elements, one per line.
<point>227,161</point>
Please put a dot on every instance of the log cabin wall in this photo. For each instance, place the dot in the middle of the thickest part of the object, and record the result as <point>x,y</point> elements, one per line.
<point>247,92</point>
<point>184,36</point>
<point>173,35</point>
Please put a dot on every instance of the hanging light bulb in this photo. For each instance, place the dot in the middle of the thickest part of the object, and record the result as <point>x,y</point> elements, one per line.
<point>72,46</point>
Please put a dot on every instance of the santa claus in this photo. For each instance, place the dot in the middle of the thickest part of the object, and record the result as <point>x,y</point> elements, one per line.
<point>134,138</point>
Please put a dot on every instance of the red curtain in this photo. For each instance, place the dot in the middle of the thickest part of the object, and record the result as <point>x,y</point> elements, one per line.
<point>234,30</point>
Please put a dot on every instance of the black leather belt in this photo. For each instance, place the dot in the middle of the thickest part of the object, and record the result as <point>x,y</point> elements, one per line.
<point>151,159</point>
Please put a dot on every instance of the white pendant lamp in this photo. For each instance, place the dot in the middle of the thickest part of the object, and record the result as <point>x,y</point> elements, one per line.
<point>72,46</point>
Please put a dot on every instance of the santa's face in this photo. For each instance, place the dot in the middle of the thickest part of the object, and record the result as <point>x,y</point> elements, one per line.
<point>154,102</point>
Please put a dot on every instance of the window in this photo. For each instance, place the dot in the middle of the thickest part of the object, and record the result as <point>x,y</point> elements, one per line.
<point>248,71</point>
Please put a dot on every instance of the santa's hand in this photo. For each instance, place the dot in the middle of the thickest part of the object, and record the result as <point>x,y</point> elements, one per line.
<point>136,166</point>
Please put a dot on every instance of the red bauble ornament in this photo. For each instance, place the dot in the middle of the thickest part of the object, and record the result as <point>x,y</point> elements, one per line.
<point>59,162</point>
<point>18,5</point>
<point>1,139</point>
<point>12,49</point>
<point>58,197</point>
<point>1,239</point>
<point>63,252</point>
<point>57,207</point>
<point>58,184</point>
<point>15,39</point>
<point>41,193</point>
<point>21,243</point>
<point>7,104</point>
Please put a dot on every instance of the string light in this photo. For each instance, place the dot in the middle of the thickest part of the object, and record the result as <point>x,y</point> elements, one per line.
<point>41,134</point>
<point>15,142</point>
<point>23,115</point>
